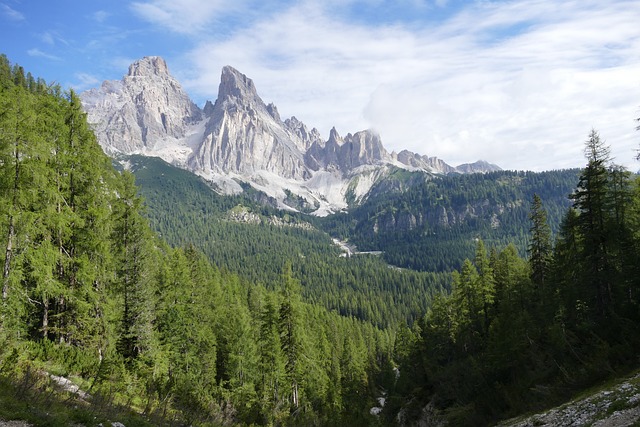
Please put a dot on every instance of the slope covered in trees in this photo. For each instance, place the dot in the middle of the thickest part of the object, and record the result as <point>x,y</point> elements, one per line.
<point>518,334</point>
<point>241,235</point>
<point>88,291</point>
<point>431,223</point>
<point>494,207</point>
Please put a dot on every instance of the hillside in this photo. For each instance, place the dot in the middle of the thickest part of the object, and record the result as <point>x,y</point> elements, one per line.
<point>616,403</point>
<point>90,292</point>
<point>169,300</point>
<point>432,223</point>
<point>242,235</point>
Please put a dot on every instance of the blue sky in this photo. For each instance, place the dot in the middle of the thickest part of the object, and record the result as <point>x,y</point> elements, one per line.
<point>518,83</point>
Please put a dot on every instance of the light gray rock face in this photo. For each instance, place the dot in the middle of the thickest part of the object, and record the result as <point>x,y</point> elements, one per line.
<point>435,165</point>
<point>243,135</point>
<point>363,148</point>
<point>348,153</point>
<point>306,136</point>
<point>479,166</point>
<point>145,109</point>
<point>240,137</point>
<point>431,164</point>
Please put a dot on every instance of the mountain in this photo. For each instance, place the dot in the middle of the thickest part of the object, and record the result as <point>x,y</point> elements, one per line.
<point>146,112</point>
<point>238,138</point>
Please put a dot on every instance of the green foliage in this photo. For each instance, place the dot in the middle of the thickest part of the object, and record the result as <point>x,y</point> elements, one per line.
<point>534,331</point>
<point>431,223</point>
<point>255,241</point>
<point>90,293</point>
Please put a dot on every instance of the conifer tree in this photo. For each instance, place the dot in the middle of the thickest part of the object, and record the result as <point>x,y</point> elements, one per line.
<point>290,332</point>
<point>540,249</point>
<point>592,201</point>
<point>271,360</point>
<point>485,286</point>
<point>132,252</point>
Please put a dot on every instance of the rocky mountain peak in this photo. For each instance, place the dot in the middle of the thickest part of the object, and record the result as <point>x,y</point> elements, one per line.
<point>245,136</point>
<point>480,166</point>
<point>239,137</point>
<point>235,85</point>
<point>306,136</point>
<point>149,66</point>
<point>334,137</point>
<point>146,111</point>
<point>273,112</point>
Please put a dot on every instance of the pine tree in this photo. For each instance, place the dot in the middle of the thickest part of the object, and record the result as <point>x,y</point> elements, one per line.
<point>271,360</point>
<point>591,200</point>
<point>540,249</point>
<point>290,333</point>
<point>485,286</point>
<point>132,252</point>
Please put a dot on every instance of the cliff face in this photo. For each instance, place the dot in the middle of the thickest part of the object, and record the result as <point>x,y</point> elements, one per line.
<point>243,135</point>
<point>240,138</point>
<point>142,112</point>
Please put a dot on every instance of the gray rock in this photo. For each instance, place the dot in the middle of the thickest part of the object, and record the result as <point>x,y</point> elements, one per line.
<point>142,112</point>
<point>240,137</point>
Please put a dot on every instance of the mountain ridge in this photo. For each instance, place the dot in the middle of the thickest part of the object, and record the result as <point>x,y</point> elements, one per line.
<point>239,138</point>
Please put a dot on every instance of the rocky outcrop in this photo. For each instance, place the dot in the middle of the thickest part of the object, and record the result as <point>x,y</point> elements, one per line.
<point>144,111</point>
<point>431,164</point>
<point>617,405</point>
<point>305,136</point>
<point>243,135</point>
<point>480,166</point>
<point>349,153</point>
<point>239,138</point>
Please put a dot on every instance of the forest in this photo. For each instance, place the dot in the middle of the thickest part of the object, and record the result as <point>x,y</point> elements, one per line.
<point>167,313</point>
<point>520,334</point>
<point>156,335</point>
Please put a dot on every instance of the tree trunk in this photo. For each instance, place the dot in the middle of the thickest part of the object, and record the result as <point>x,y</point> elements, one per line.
<point>45,318</point>
<point>7,261</point>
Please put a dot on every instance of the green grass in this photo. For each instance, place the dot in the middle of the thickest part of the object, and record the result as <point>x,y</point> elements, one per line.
<point>35,400</point>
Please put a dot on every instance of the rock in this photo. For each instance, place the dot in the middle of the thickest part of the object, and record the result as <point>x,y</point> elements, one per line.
<point>142,113</point>
<point>243,135</point>
<point>240,138</point>
<point>594,410</point>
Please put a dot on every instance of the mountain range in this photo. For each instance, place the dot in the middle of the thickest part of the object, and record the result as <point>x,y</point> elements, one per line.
<point>239,139</point>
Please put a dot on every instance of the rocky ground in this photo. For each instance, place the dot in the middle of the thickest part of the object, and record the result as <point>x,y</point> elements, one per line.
<point>613,406</point>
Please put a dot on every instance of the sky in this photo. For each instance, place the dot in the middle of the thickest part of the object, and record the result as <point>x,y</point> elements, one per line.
<point>518,83</point>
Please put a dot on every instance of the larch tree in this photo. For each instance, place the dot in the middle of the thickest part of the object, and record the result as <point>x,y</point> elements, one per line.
<point>540,248</point>
<point>591,200</point>
<point>290,331</point>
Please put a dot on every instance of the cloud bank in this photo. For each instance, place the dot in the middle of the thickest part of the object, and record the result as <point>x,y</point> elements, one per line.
<point>517,83</point>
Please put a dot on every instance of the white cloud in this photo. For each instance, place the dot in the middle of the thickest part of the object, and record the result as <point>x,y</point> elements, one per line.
<point>85,81</point>
<point>40,54</point>
<point>10,13</point>
<point>101,16</point>
<point>184,16</point>
<point>517,83</point>
<point>51,38</point>
<point>48,38</point>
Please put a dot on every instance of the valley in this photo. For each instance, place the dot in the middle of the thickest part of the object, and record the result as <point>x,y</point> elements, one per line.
<point>220,266</point>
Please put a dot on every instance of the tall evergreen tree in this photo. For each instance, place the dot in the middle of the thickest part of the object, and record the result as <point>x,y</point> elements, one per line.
<point>290,332</point>
<point>591,200</point>
<point>540,248</point>
<point>271,361</point>
<point>132,253</point>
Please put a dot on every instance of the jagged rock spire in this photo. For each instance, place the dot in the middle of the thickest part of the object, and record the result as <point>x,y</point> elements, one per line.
<point>149,66</point>
<point>236,86</point>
